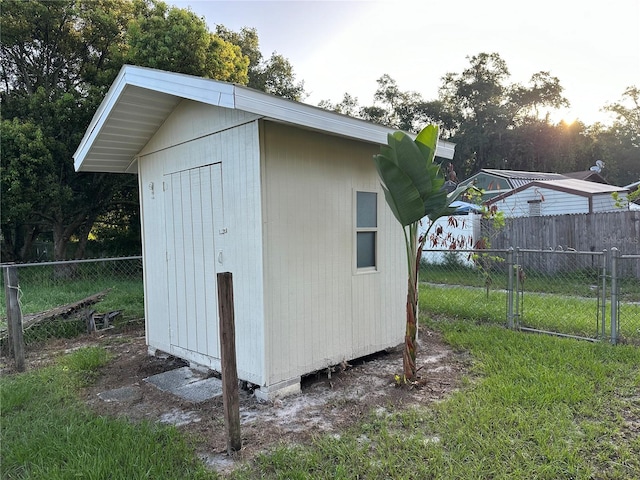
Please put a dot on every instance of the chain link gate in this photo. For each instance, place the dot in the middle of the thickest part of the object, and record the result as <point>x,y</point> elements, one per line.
<point>559,292</point>
<point>625,298</point>
<point>563,292</point>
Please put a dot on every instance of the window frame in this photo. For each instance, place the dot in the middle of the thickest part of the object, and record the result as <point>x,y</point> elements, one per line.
<point>367,229</point>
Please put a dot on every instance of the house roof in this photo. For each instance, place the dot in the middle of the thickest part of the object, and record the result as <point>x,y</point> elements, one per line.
<point>518,178</point>
<point>567,185</point>
<point>140,100</point>
<point>588,175</point>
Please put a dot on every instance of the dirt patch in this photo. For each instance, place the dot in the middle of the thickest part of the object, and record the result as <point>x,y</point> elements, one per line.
<point>329,402</point>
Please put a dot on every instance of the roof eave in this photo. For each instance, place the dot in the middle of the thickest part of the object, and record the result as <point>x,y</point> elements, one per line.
<point>229,96</point>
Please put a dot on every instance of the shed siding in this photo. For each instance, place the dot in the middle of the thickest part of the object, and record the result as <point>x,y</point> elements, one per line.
<point>232,142</point>
<point>191,120</point>
<point>319,310</point>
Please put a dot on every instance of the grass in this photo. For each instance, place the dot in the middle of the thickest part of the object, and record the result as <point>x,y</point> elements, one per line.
<point>40,294</point>
<point>47,433</point>
<point>532,406</point>
<point>573,315</point>
<point>574,283</point>
<point>36,298</point>
<point>536,407</point>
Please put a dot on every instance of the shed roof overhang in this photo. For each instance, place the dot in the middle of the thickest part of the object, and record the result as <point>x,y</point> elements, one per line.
<point>140,100</point>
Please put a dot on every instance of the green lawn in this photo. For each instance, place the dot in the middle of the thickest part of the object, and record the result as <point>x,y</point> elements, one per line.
<point>571,315</point>
<point>38,293</point>
<point>47,433</point>
<point>532,406</point>
<point>535,407</point>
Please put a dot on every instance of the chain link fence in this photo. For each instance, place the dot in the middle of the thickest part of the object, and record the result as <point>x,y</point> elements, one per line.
<point>625,286</point>
<point>469,284</point>
<point>562,291</point>
<point>64,299</point>
<point>593,295</point>
<point>588,295</point>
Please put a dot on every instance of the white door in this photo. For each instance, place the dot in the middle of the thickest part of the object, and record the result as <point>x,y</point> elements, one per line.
<point>194,216</point>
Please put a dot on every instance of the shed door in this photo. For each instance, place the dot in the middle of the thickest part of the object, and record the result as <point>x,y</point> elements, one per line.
<point>194,220</point>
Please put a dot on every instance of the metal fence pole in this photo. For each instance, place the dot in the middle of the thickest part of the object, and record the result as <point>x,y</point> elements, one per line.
<point>603,295</point>
<point>614,295</point>
<point>510,267</point>
<point>14,316</point>
<point>517,265</point>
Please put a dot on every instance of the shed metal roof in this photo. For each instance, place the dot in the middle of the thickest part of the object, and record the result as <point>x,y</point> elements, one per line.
<point>140,100</point>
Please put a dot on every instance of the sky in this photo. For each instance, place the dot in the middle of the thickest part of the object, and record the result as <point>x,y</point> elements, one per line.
<point>340,46</point>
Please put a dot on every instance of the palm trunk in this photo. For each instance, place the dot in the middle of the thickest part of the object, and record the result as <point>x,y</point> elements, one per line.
<point>414,253</point>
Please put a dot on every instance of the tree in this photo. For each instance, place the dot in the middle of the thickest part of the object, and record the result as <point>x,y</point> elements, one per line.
<point>404,110</point>
<point>173,39</point>
<point>58,60</point>
<point>26,181</point>
<point>413,188</point>
<point>49,52</point>
<point>274,76</point>
<point>485,107</point>
<point>619,144</point>
<point>348,106</point>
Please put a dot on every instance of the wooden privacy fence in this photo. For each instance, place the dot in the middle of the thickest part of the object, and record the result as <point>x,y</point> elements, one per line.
<point>594,232</point>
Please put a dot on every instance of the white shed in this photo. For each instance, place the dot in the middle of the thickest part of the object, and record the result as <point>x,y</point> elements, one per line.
<point>558,197</point>
<point>283,195</point>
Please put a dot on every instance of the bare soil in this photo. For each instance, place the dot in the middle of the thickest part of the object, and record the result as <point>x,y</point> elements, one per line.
<point>330,401</point>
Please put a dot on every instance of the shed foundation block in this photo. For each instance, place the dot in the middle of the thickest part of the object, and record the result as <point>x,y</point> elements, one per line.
<point>278,390</point>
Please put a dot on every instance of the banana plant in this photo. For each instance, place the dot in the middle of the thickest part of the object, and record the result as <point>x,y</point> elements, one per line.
<point>413,188</point>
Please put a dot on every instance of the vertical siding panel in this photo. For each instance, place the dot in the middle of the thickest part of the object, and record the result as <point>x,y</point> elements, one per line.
<point>188,317</point>
<point>241,245</point>
<point>319,312</point>
<point>195,233</point>
<point>160,250</point>
<point>204,243</point>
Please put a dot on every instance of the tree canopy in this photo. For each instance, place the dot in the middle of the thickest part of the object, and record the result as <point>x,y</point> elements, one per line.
<point>274,75</point>
<point>499,124</point>
<point>58,59</point>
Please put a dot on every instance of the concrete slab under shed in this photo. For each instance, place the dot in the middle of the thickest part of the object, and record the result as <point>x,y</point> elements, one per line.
<point>188,384</point>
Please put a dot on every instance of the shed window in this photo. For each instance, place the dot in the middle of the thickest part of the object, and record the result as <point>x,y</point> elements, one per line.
<point>366,229</point>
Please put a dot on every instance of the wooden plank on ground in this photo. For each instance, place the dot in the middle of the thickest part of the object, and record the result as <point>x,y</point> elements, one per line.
<point>63,311</point>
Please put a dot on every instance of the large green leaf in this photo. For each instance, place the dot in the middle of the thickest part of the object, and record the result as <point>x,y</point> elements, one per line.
<point>427,141</point>
<point>412,162</point>
<point>412,181</point>
<point>400,192</point>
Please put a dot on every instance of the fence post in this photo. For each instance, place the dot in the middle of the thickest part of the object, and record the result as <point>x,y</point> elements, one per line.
<point>603,295</point>
<point>518,300</point>
<point>230,396</point>
<point>510,268</point>
<point>614,295</point>
<point>14,316</point>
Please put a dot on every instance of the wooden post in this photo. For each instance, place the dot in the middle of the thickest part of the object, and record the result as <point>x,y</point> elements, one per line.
<point>14,316</point>
<point>230,396</point>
